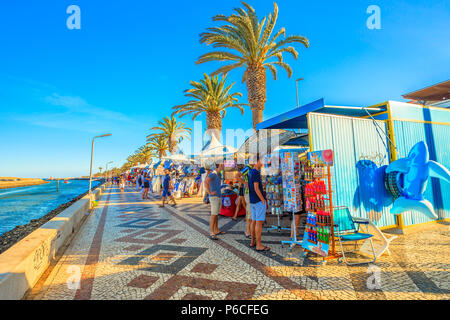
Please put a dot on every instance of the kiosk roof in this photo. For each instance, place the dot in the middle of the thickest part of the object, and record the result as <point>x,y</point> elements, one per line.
<point>296,118</point>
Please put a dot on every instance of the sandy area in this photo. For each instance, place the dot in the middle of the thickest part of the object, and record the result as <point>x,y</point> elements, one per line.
<point>11,182</point>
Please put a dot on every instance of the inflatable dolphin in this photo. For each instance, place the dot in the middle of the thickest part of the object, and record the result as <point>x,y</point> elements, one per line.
<point>412,175</point>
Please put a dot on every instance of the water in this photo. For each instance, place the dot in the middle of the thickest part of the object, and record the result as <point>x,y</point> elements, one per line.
<point>20,205</point>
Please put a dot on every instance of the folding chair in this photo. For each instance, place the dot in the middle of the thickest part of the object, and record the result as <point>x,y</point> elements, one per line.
<point>347,231</point>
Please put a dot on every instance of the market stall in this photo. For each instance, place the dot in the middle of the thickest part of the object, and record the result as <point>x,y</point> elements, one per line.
<point>307,180</point>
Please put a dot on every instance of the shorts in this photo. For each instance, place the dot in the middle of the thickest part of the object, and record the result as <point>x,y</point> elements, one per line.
<point>166,193</point>
<point>258,211</point>
<point>248,215</point>
<point>216,204</point>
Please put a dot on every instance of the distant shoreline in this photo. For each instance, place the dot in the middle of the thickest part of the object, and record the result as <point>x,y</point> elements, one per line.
<point>11,182</point>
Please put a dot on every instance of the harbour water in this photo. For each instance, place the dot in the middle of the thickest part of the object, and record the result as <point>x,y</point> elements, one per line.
<point>20,205</point>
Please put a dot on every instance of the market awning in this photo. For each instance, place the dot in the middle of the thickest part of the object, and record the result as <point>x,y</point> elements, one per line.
<point>297,118</point>
<point>266,140</point>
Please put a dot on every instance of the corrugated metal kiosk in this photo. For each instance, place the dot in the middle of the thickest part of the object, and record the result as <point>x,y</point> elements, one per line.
<point>365,139</point>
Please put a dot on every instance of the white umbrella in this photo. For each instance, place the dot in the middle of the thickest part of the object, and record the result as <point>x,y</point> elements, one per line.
<point>178,157</point>
<point>215,148</point>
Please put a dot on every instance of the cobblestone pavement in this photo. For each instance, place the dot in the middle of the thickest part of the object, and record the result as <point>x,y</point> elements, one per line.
<point>131,249</point>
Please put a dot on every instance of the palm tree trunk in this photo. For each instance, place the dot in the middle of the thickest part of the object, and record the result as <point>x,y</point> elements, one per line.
<point>256,90</point>
<point>172,145</point>
<point>214,124</point>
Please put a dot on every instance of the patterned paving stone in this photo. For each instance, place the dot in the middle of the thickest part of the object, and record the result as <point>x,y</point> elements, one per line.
<point>129,248</point>
<point>133,248</point>
<point>177,240</point>
<point>207,268</point>
<point>142,281</point>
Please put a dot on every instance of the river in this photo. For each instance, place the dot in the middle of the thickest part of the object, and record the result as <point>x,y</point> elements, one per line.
<point>20,205</point>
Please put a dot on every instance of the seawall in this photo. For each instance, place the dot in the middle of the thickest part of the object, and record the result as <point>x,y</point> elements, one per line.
<point>23,264</point>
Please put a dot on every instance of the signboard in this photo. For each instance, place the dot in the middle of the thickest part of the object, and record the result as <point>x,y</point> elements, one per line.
<point>319,248</point>
<point>229,163</point>
<point>323,157</point>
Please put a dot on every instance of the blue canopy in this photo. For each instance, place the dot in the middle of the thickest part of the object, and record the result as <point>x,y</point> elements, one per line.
<point>298,141</point>
<point>167,164</point>
<point>156,165</point>
<point>297,118</point>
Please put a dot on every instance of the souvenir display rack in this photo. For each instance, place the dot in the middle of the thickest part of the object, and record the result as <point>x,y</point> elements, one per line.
<point>319,232</point>
<point>290,168</point>
<point>273,187</point>
<point>292,190</point>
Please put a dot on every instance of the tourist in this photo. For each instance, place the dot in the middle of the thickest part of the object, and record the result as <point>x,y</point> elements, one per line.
<point>198,183</point>
<point>167,187</point>
<point>257,205</point>
<point>241,199</point>
<point>146,186</point>
<point>150,183</point>
<point>138,181</point>
<point>248,212</point>
<point>122,184</point>
<point>296,222</point>
<point>206,197</point>
<point>212,187</point>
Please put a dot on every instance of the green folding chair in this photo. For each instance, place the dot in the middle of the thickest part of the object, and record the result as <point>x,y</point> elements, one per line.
<point>347,229</point>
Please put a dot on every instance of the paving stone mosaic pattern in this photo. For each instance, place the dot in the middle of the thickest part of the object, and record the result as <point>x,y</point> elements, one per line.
<point>129,248</point>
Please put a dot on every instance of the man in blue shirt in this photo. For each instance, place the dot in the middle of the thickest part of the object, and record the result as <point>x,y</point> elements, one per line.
<point>166,189</point>
<point>212,187</point>
<point>257,205</point>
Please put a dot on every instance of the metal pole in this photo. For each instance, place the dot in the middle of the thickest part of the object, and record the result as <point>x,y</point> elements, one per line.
<point>106,171</point>
<point>92,157</point>
<point>90,173</point>
<point>296,89</point>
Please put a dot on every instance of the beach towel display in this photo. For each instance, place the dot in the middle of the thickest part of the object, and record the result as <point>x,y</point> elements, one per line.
<point>178,189</point>
<point>156,184</point>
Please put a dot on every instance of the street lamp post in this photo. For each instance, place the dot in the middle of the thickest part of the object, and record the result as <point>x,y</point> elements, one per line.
<point>106,176</point>
<point>296,89</point>
<point>92,158</point>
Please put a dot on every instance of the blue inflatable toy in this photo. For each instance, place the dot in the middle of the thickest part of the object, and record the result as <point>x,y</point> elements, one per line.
<point>406,180</point>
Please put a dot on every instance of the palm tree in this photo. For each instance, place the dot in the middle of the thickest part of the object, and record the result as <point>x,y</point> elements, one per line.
<point>174,132</point>
<point>158,144</point>
<point>144,153</point>
<point>211,96</point>
<point>254,48</point>
<point>133,160</point>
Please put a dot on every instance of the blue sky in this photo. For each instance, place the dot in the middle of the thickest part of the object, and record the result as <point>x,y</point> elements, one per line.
<point>131,60</point>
